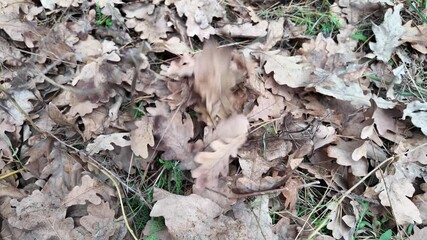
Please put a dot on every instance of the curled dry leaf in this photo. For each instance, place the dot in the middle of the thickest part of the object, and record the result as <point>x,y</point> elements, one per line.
<point>343,151</point>
<point>142,136</point>
<point>215,162</point>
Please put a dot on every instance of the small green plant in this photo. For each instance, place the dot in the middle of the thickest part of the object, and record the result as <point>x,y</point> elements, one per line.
<point>419,7</point>
<point>170,178</point>
<point>315,19</point>
<point>368,226</point>
<point>101,19</point>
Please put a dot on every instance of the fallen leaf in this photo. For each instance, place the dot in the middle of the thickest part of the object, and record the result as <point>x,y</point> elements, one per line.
<point>416,36</point>
<point>269,106</point>
<point>142,136</point>
<point>395,190</point>
<point>215,162</point>
<point>290,71</point>
<point>387,34</point>
<point>418,113</point>
<point>201,215</point>
<point>104,142</point>
<point>257,219</point>
<point>41,216</point>
<point>90,190</point>
<point>343,153</point>
<point>100,221</point>
<point>199,15</point>
<point>245,30</point>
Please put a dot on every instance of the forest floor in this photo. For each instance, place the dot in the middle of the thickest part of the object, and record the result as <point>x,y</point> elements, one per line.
<point>209,119</point>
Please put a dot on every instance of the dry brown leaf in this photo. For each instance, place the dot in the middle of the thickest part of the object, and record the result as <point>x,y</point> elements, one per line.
<point>388,124</point>
<point>90,190</point>
<point>420,201</point>
<point>338,225</point>
<point>199,15</point>
<point>418,113</point>
<point>290,71</point>
<point>395,191</point>
<point>416,36</point>
<point>355,10</point>
<point>104,142</point>
<point>269,106</point>
<point>41,216</point>
<point>274,33</point>
<point>343,151</point>
<point>8,54</point>
<point>100,221</point>
<point>175,133</point>
<point>387,34</point>
<point>201,215</point>
<point>142,136</point>
<point>245,30</point>
<point>153,27</point>
<point>256,218</point>
<point>416,153</point>
<point>180,68</point>
<point>213,79</point>
<point>138,10</point>
<point>290,192</point>
<point>215,163</point>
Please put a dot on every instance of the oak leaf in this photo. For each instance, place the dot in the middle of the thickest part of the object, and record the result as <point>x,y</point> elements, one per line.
<point>396,189</point>
<point>418,113</point>
<point>387,34</point>
<point>90,190</point>
<point>142,136</point>
<point>201,215</point>
<point>215,162</point>
<point>100,221</point>
<point>41,216</point>
<point>104,142</point>
<point>199,15</point>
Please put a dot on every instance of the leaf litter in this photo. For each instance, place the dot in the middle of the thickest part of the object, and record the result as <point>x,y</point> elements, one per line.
<point>269,132</point>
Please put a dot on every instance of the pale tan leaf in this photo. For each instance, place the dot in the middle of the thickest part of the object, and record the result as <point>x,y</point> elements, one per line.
<point>339,228</point>
<point>418,113</point>
<point>255,216</point>
<point>246,30</point>
<point>342,152</point>
<point>100,221</point>
<point>419,234</point>
<point>199,15</point>
<point>201,215</point>
<point>142,136</point>
<point>387,34</point>
<point>290,71</point>
<point>416,36</point>
<point>104,142</point>
<point>41,216</point>
<point>269,106</point>
<point>90,190</point>
<point>396,189</point>
<point>215,163</point>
